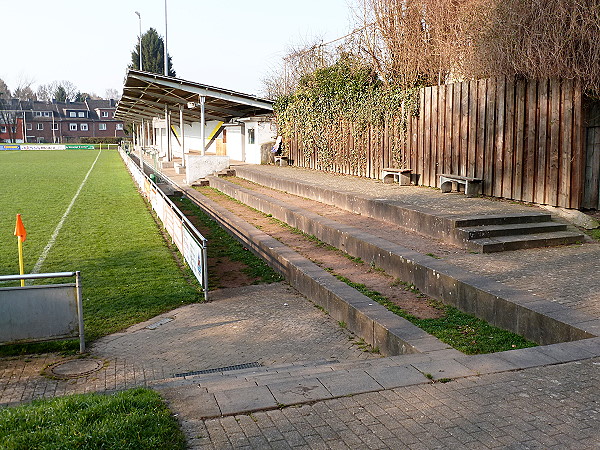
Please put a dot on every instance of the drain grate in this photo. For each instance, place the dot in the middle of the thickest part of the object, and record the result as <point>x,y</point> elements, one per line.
<point>220,369</point>
<point>155,325</point>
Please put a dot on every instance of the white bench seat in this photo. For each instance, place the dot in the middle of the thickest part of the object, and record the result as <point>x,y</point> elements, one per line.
<point>390,175</point>
<point>472,185</point>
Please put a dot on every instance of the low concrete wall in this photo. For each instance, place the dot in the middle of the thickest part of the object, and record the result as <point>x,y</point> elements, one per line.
<point>419,219</point>
<point>199,166</point>
<point>541,321</point>
<point>382,329</point>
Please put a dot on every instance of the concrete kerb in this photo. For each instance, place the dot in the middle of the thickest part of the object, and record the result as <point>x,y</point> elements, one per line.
<point>379,327</point>
<point>504,307</point>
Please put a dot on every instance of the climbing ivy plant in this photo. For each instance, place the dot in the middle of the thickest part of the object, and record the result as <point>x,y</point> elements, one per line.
<point>333,108</point>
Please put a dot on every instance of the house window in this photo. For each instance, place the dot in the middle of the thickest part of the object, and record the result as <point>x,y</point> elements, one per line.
<point>81,114</point>
<point>250,135</point>
<point>102,126</point>
<point>55,126</point>
<point>2,129</point>
<point>104,113</point>
<point>13,130</point>
<point>46,113</point>
<point>83,127</point>
<point>119,126</point>
<point>38,113</point>
<point>73,127</point>
<point>40,126</point>
<point>29,126</point>
<point>72,114</point>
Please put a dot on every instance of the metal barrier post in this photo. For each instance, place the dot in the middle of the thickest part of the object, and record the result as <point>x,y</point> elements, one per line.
<point>80,311</point>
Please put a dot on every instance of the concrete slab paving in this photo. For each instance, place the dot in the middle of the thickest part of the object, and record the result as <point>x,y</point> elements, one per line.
<point>340,384</point>
<point>396,376</point>
<point>298,391</point>
<point>443,369</point>
<point>241,400</point>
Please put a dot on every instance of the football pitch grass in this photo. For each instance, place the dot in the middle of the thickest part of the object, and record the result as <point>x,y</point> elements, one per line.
<point>128,272</point>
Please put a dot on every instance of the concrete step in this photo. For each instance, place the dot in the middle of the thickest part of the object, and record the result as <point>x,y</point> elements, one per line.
<point>522,241</point>
<point>226,173</point>
<point>511,229</point>
<point>475,221</point>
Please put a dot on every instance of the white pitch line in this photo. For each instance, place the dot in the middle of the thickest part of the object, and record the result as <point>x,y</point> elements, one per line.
<point>44,255</point>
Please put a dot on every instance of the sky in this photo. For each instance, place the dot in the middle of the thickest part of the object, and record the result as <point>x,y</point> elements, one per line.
<point>231,44</point>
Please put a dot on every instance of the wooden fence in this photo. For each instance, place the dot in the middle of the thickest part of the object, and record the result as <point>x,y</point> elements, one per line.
<point>525,139</point>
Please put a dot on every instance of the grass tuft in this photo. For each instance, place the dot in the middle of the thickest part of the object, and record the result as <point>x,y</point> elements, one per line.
<point>462,331</point>
<point>132,419</point>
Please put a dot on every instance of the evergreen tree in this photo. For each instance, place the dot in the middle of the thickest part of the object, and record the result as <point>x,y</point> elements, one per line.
<point>153,54</point>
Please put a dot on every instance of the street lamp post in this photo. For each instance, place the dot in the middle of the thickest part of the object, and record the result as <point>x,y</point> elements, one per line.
<point>166,59</point>
<point>140,38</point>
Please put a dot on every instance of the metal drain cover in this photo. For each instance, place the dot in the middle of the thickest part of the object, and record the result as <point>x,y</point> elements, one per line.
<point>75,368</point>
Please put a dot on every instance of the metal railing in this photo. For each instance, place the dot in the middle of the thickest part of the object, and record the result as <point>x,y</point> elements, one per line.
<point>198,238</point>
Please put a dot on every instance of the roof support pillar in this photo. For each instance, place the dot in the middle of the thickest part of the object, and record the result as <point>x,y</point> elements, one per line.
<point>181,127</point>
<point>141,128</point>
<point>168,131</point>
<point>202,125</point>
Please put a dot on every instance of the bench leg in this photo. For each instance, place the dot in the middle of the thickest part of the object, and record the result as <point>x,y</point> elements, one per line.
<point>472,189</point>
<point>389,178</point>
<point>404,179</point>
<point>446,186</point>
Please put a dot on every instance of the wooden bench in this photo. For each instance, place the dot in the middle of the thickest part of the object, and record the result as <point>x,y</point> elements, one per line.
<point>472,185</point>
<point>281,160</point>
<point>402,176</point>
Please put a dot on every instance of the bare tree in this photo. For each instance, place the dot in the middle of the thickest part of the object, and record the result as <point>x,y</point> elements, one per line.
<point>4,91</point>
<point>112,94</point>
<point>298,62</point>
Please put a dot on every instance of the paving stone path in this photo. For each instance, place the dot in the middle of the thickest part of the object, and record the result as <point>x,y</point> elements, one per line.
<point>267,324</point>
<point>545,407</point>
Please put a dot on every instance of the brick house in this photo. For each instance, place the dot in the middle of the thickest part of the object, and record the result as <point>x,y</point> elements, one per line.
<point>64,122</point>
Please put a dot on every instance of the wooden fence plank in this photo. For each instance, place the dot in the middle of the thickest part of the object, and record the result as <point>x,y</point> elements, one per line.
<point>455,150</point>
<point>464,129</point>
<point>530,147</point>
<point>520,101</point>
<point>488,183</point>
<point>448,128</point>
<point>481,122</point>
<point>472,129</point>
<point>541,160</point>
<point>434,136</point>
<point>421,131</point>
<point>592,173</point>
<point>427,139</point>
<point>441,141</point>
<point>499,144</point>
<point>552,182</point>
<point>578,150</point>
<point>509,132</point>
<point>566,147</point>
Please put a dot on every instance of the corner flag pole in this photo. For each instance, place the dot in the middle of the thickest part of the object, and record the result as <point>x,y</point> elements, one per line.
<point>21,235</point>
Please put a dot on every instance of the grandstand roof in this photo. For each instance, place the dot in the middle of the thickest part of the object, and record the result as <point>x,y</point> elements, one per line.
<point>146,94</point>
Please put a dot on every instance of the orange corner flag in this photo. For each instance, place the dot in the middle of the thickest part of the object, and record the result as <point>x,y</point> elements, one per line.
<point>20,229</point>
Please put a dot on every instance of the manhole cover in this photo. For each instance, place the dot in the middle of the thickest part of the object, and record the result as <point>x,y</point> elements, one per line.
<point>75,368</point>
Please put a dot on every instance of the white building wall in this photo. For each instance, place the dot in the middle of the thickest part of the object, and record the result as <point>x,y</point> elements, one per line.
<point>238,145</point>
<point>235,148</point>
<point>264,131</point>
